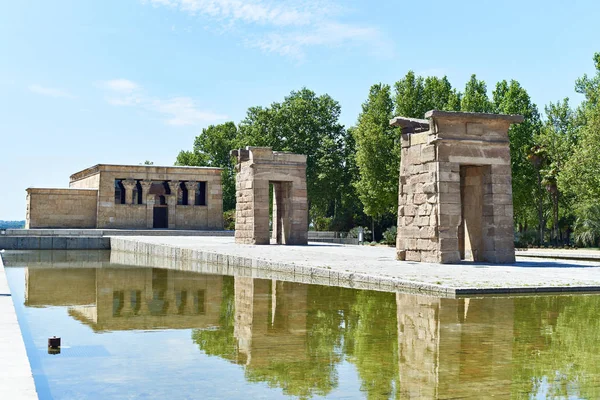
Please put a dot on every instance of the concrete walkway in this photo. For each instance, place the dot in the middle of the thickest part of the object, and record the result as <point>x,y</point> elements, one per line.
<point>351,265</point>
<point>563,254</point>
<point>16,380</point>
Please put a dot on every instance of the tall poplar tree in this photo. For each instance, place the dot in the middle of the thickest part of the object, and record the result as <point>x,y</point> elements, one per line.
<point>377,154</point>
<point>512,98</point>
<point>475,98</point>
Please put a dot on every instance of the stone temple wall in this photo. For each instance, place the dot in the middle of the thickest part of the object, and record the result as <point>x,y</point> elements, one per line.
<point>61,208</point>
<point>455,188</point>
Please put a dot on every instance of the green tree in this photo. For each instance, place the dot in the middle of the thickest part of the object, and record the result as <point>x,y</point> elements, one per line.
<point>211,149</point>
<point>475,98</point>
<point>377,154</point>
<point>374,337</point>
<point>415,95</point>
<point>556,139</point>
<point>221,342</point>
<point>580,176</point>
<point>409,96</point>
<point>308,124</point>
<point>512,98</point>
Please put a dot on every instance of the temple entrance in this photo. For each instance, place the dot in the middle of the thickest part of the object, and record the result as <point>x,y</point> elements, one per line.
<point>161,214</point>
<point>283,209</point>
<point>280,216</point>
<point>470,231</point>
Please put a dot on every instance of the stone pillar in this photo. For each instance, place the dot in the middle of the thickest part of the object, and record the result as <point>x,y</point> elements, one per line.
<point>129,185</point>
<point>191,188</point>
<point>151,199</point>
<point>148,200</point>
<point>145,189</point>
<point>171,202</point>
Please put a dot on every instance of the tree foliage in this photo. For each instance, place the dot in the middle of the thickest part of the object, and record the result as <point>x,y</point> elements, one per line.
<point>211,149</point>
<point>377,154</point>
<point>304,123</point>
<point>512,98</point>
<point>475,98</point>
<point>352,173</point>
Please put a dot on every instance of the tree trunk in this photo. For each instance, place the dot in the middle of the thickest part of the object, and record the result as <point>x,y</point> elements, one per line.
<point>541,209</point>
<point>372,229</point>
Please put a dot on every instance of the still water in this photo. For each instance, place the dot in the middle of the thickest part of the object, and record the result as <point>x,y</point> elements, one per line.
<point>149,333</point>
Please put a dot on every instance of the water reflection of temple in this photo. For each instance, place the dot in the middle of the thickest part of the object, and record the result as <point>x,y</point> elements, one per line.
<point>270,319</point>
<point>454,348</point>
<point>293,336</point>
<point>128,298</point>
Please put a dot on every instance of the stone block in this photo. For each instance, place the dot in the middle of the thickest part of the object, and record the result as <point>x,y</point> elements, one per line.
<point>401,255</point>
<point>419,198</point>
<point>28,243</point>
<point>46,243</point>
<point>428,153</point>
<point>448,257</point>
<point>428,232</point>
<point>8,243</point>
<point>59,243</point>
<point>430,188</point>
<point>429,256</point>
<point>426,244</point>
<point>413,256</point>
<point>449,187</point>
<point>448,244</point>
<point>450,208</point>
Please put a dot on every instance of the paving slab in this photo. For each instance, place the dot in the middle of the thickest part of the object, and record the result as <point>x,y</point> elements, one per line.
<point>378,264</point>
<point>564,254</point>
<point>16,379</point>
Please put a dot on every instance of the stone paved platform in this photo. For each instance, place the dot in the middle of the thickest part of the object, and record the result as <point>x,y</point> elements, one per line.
<point>16,380</point>
<point>354,265</point>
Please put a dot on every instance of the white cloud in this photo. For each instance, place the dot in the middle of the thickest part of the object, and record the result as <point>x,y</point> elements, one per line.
<point>285,27</point>
<point>121,85</point>
<point>330,35</point>
<point>178,111</point>
<point>281,13</point>
<point>50,92</point>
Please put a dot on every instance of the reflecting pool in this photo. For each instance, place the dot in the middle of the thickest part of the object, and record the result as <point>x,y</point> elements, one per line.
<point>151,333</point>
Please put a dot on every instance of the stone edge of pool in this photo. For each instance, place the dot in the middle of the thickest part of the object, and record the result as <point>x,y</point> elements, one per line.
<point>16,378</point>
<point>155,254</point>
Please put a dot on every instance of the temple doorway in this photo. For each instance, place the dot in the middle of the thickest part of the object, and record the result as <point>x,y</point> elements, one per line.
<point>161,213</point>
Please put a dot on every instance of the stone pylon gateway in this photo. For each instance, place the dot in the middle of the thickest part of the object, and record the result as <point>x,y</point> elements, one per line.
<point>455,189</point>
<point>258,168</point>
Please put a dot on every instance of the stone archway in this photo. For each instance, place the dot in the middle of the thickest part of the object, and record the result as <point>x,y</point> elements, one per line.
<point>257,168</point>
<point>455,192</point>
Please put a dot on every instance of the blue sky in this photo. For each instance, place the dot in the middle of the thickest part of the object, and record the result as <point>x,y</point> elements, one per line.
<point>84,82</point>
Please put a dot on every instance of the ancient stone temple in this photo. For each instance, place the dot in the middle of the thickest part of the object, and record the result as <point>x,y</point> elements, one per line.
<point>131,197</point>
<point>455,189</point>
<point>259,169</point>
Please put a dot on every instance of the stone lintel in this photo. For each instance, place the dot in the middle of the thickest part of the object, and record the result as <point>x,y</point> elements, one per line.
<point>410,125</point>
<point>267,154</point>
<point>473,116</point>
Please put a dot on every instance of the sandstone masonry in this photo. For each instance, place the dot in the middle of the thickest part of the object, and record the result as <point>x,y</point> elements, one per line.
<point>455,192</point>
<point>131,197</point>
<point>257,168</point>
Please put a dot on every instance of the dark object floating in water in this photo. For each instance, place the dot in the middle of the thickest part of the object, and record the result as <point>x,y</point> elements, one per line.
<point>54,345</point>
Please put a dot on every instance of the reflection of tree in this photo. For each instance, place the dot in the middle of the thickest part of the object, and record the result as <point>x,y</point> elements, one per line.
<point>556,346</point>
<point>374,348</point>
<point>302,358</point>
<point>312,371</point>
<point>221,342</point>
